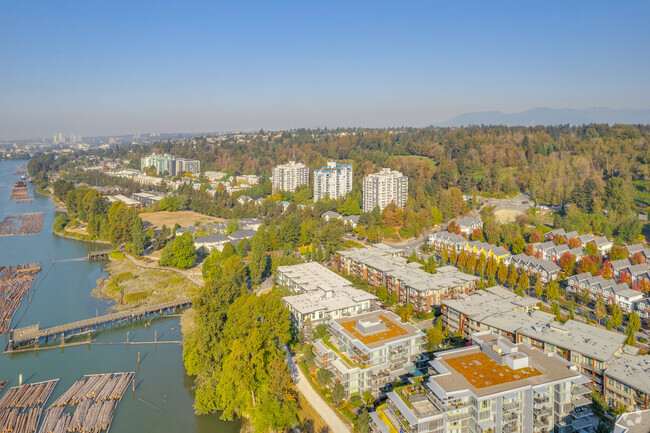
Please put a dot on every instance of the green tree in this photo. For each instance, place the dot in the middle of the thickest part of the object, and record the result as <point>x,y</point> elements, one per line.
<point>258,262</point>
<point>618,195</point>
<point>320,331</point>
<point>309,355</point>
<point>138,237</point>
<point>363,421</point>
<point>435,336</point>
<point>179,253</point>
<point>405,311</point>
<point>552,291</point>
<point>211,267</point>
<point>616,315</point>
<point>323,376</point>
<point>600,311</point>
<point>524,283</point>
<point>60,222</point>
<point>231,227</point>
<point>539,289</point>
<point>491,267</point>
<point>513,276</point>
<point>227,251</point>
<point>502,273</point>
<point>555,309</point>
<point>338,393</point>
<point>633,326</point>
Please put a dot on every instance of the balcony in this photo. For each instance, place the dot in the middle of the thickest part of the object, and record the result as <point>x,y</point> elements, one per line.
<point>541,399</point>
<point>580,390</point>
<point>581,401</point>
<point>457,417</point>
<point>509,407</point>
<point>544,411</point>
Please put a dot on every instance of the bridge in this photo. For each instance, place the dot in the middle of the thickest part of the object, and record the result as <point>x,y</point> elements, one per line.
<point>34,335</point>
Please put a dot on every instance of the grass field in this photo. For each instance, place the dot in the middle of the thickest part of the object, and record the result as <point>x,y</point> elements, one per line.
<point>183,218</point>
<point>414,158</point>
<point>130,286</point>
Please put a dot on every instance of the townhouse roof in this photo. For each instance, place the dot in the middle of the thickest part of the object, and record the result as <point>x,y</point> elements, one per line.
<point>213,238</point>
<point>547,265</point>
<point>620,264</point>
<point>242,234</point>
<point>467,221</point>
<point>331,214</point>
<point>633,249</point>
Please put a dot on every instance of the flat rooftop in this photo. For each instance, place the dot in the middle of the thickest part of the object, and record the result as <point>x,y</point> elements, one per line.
<point>481,370</point>
<point>389,328</point>
<point>311,276</point>
<point>633,370</point>
<point>493,300</point>
<point>544,368</point>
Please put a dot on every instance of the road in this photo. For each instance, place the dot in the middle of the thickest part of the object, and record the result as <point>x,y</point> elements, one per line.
<point>411,245</point>
<point>335,423</point>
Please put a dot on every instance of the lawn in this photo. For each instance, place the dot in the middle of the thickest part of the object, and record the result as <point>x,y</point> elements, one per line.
<point>184,218</point>
<point>414,158</point>
<point>130,286</point>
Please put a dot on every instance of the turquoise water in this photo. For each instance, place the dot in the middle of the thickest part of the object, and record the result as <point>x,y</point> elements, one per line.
<point>63,295</point>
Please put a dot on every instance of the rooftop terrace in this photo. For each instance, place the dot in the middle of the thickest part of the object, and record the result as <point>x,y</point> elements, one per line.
<point>481,370</point>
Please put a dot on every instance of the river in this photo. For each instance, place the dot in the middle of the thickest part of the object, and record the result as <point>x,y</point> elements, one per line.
<point>63,295</point>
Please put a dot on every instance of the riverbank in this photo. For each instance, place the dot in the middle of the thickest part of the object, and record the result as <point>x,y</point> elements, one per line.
<point>130,286</point>
<point>79,237</point>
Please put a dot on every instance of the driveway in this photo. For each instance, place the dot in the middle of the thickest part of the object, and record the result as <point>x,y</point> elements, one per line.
<point>335,423</point>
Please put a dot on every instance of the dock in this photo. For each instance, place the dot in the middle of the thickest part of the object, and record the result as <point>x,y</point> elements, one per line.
<point>34,335</point>
<point>99,255</point>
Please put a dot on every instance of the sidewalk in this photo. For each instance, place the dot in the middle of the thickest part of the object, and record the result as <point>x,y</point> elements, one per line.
<point>331,418</point>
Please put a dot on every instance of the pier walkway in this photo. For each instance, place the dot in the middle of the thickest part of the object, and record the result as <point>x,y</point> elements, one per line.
<point>33,334</point>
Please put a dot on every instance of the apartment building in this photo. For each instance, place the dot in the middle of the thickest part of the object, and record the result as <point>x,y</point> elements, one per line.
<point>332,181</point>
<point>493,386</point>
<point>588,347</point>
<point>627,381</point>
<point>320,295</point>
<point>369,351</point>
<point>168,165</point>
<point>289,176</point>
<point>380,189</point>
<point>382,265</point>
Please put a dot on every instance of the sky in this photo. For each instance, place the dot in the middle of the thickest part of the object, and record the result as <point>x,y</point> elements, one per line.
<point>121,67</point>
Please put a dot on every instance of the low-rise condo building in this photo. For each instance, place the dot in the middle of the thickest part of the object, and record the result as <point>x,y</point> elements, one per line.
<point>492,386</point>
<point>369,351</point>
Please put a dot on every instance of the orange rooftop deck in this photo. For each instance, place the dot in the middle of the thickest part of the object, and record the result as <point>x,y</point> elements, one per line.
<point>481,371</point>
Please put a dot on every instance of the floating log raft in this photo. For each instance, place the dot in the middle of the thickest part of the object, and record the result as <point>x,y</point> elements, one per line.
<point>15,283</point>
<point>22,406</point>
<point>20,193</point>
<point>94,398</point>
<point>3,383</point>
<point>25,224</point>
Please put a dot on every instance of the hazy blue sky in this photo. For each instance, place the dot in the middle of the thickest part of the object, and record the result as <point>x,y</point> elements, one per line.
<point>116,67</point>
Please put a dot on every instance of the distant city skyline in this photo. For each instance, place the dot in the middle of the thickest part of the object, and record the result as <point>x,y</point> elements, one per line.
<point>115,69</point>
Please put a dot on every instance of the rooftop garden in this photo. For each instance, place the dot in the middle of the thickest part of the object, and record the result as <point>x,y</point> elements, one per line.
<point>480,370</point>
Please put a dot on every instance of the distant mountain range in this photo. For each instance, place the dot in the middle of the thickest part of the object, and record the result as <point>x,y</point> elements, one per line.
<point>550,116</point>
